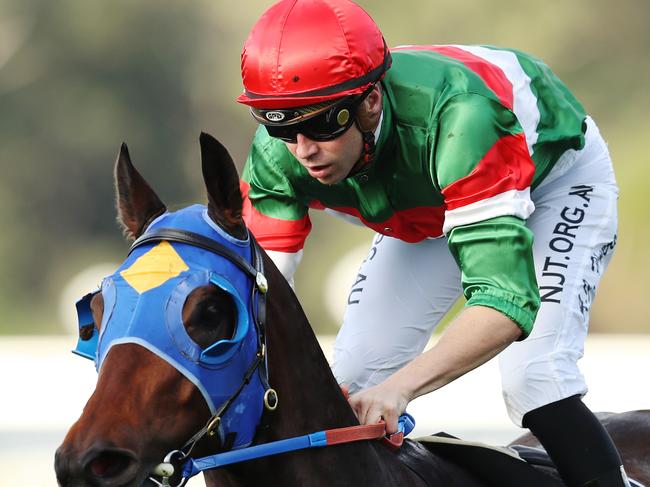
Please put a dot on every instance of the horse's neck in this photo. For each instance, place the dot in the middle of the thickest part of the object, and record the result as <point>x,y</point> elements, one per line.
<point>309,397</point>
<point>310,400</point>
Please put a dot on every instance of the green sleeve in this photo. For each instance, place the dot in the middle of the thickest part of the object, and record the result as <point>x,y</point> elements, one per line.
<point>469,126</point>
<point>270,190</point>
<point>496,262</point>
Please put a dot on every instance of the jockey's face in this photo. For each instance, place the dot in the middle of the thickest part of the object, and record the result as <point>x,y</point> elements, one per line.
<point>328,161</point>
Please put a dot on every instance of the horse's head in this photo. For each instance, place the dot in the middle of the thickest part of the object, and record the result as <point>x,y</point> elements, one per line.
<point>178,326</point>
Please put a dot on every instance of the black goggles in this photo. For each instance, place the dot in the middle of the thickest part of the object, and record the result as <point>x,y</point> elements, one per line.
<point>318,123</point>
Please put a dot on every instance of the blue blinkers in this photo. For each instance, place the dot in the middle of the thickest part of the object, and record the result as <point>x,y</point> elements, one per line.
<point>87,342</point>
<point>143,304</point>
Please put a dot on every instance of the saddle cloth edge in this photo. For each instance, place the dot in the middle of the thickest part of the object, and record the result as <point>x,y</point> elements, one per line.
<point>457,441</point>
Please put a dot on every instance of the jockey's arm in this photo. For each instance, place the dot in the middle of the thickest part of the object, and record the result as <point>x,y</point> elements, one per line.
<point>502,301</point>
<point>476,335</point>
<point>489,240</point>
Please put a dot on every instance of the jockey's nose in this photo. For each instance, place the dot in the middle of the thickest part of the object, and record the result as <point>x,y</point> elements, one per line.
<point>305,147</point>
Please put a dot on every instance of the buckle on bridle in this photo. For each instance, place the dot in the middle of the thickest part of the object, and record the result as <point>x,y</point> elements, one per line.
<point>271,399</point>
<point>261,283</point>
<point>213,426</point>
<point>165,470</point>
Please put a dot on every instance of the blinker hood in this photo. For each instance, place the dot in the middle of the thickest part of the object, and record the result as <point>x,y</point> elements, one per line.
<point>143,305</point>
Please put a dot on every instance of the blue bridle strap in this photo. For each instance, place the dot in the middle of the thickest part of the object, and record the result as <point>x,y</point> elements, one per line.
<point>320,439</point>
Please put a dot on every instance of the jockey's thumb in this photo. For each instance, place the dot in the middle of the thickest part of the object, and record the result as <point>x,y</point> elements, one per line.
<point>345,390</point>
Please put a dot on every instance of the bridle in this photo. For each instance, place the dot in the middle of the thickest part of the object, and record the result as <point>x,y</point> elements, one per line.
<point>255,270</point>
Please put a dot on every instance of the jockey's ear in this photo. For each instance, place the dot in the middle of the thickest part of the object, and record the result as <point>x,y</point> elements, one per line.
<point>137,204</point>
<point>222,183</point>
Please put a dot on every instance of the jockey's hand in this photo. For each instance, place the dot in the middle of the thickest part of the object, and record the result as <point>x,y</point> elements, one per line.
<point>384,401</point>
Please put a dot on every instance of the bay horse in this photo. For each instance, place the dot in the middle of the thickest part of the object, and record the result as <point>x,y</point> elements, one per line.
<point>189,335</point>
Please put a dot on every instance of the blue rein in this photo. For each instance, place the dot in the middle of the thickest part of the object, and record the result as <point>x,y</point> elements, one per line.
<point>319,439</point>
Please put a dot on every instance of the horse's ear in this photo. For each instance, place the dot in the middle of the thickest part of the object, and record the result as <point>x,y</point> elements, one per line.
<point>222,183</point>
<point>137,204</point>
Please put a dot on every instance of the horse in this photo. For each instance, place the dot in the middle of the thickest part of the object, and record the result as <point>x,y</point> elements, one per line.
<point>190,371</point>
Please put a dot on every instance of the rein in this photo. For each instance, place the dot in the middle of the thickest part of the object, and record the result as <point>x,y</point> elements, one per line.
<point>319,439</point>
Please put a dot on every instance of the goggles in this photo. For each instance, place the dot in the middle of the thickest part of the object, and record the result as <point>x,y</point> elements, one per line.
<point>321,122</point>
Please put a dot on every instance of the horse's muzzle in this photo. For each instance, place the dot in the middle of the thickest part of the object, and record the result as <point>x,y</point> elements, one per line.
<point>100,466</point>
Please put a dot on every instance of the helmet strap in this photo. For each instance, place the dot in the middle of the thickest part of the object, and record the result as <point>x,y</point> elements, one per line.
<point>367,150</point>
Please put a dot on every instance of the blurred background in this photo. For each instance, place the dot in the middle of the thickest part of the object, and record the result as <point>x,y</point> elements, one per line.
<point>79,77</point>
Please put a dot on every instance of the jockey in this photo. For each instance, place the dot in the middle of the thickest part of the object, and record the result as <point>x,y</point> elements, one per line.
<point>479,172</point>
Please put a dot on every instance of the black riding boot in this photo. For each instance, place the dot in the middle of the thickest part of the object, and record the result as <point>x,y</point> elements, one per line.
<point>578,444</point>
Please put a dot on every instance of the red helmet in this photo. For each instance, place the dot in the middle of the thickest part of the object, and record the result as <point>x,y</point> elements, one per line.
<point>303,52</point>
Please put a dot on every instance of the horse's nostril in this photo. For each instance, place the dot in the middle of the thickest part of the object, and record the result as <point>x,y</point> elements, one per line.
<point>109,464</point>
<point>104,464</point>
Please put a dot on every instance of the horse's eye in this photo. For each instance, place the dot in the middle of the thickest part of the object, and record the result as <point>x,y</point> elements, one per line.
<point>209,315</point>
<point>86,332</point>
<point>214,308</point>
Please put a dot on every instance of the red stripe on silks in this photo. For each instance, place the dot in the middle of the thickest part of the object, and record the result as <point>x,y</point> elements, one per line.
<point>317,205</point>
<point>492,75</point>
<point>355,433</point>
<point>506,166</point>
<point>411,225</point>
<point>274,233</point>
